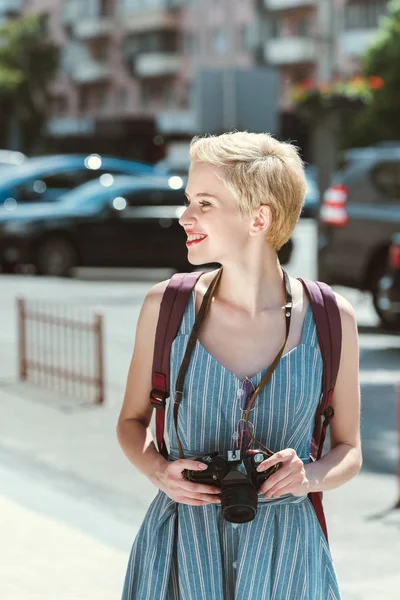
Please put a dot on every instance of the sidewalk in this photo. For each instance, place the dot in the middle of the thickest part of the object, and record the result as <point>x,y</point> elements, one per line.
<point>70,505</point>
<point>47,556</point>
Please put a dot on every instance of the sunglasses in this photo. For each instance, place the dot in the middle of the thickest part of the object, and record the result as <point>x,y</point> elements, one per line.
<point>244,394</point>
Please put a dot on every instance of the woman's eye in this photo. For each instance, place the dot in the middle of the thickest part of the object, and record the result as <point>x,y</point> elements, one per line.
<point>203,203</point>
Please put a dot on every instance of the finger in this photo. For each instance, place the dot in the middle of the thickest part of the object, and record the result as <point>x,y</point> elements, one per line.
<point>191,502</point>
<point>276,490</point>
<point>276,478</point>
<point>206,498</point>
<point>186,463</point>
<point>200,488</point>
<point>279,457</point>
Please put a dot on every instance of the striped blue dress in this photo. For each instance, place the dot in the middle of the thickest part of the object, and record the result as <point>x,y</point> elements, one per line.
<point>187,552</point>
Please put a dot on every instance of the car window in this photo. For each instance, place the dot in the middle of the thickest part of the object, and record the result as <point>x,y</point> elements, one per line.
<point>62,181</point>
<point>154,198</point>
<point>46,188</point>
<point>93,174</point>
<point>386,178</point>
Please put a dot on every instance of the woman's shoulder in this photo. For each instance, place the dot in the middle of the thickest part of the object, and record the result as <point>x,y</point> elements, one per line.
<point>155,295</point>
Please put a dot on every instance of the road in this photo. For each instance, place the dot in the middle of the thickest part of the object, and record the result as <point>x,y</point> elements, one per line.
<point>62,471</point>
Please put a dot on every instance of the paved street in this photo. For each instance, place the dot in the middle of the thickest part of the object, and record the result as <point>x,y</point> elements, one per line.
<point>70,503</point>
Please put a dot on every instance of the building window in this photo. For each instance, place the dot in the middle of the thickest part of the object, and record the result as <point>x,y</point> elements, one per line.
<point>275,27</point>
<point>84,97</point>
<point>244,35</point>
<point>169,96</point>
<point>150,94</point>
<point>365,14</point>
<point>59,105</point>
<point>106,8</point>
<point>189,44</point>
<point>123,96</point>
<point>100,52</point>
<point>303,27</point>
<point>102,99</point>
<point>220,42</point>
<point>131,6</point>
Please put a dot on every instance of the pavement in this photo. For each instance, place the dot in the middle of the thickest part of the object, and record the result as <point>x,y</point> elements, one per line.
<point>71,503</point>
<point>70,508</point>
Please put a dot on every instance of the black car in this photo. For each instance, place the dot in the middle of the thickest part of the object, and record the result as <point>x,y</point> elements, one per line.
<point>46,178</point>
<point>359,215</point>
<point>130,222</point>
<point>388,295</point>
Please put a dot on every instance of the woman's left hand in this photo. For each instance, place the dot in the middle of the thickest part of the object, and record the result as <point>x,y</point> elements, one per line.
<point>291,478</point>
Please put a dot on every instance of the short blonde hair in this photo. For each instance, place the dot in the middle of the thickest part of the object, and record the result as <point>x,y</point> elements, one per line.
<point>258,169</point>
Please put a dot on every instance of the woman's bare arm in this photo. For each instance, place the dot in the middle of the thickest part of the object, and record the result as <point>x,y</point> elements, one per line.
<point>344,459</point>
<point>133,429</point>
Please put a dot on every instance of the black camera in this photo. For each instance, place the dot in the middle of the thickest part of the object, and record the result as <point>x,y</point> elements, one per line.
<point>238,479</point>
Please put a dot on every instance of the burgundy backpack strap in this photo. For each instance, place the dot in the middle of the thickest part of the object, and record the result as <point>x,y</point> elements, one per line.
<point>329,330</point>
<point>173,304</point>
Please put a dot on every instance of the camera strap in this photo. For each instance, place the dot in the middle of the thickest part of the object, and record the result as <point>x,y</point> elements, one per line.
<point>204,308</point>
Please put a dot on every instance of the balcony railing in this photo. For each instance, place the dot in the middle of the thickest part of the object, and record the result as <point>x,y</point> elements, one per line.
<point>177,121</point>
<point>59,127</point>
<point>288,4</point>
<point>11,6</point>
<point>90,71</point>
<point>156,64</point>
<point>354,42</point>
<point>91,27</point>
<point>156,20</point>
<point>71,12</point>
<point>290,50</point>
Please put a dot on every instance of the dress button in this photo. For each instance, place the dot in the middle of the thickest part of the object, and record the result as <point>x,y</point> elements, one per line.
<point>234,565</point>
<point>235,437</point>
<point>240,393</point>
<point>235,525</point>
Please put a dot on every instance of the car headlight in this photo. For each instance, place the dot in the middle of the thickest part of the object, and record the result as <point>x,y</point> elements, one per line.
<point>14,228</point>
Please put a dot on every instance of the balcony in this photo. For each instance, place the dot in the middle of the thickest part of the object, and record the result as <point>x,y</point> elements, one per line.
<point>177,121</point>
<point>289,50</point>
<point>144,21</point>
<point>88,28</point>
<point>280,5</point>
<point>71,12</point>
<point>90,71</point>
<point>354,42</point>
<point>11,6</point>
<point>59,127</point>
<point>156,64</point>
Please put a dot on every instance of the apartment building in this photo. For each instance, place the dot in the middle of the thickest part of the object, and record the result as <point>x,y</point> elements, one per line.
<point>317,39</point>
<point>130,68</point>
<point>137,74</point>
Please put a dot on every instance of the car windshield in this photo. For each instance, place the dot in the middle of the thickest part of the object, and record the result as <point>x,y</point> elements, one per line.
<point>312,187</point>
<point>90,196</point>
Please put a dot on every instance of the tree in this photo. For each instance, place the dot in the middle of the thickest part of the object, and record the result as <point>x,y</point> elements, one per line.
<point>28,64</point>
<point>379,119</point>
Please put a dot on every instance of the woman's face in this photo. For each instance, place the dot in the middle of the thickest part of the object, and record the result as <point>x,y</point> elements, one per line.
<point>216,231</point>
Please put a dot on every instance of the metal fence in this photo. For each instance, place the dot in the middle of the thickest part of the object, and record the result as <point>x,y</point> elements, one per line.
<point>61,348</point>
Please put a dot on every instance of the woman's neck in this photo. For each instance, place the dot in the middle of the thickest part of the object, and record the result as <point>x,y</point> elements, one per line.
<point>252,288</point>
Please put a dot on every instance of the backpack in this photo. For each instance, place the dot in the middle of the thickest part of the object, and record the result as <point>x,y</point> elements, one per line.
<point>329,330</point>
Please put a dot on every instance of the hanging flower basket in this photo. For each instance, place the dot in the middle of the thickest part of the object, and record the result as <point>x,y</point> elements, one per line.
<point>312,100</point>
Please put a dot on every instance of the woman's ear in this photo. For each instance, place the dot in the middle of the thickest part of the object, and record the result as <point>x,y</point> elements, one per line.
<point>262,220</point>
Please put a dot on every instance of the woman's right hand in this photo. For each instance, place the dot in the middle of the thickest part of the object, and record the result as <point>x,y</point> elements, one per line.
<point>186,492</point>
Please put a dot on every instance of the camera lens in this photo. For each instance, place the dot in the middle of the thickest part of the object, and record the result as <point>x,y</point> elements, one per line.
<point>239,503</point>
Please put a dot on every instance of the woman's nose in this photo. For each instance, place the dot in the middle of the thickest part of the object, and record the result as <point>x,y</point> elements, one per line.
<point>187,219</point>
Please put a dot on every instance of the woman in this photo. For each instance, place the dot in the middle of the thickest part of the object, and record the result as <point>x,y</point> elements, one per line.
<point>244,196</point>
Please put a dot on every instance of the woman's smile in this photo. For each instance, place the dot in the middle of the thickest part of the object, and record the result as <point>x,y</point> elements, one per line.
<point>194,238</point>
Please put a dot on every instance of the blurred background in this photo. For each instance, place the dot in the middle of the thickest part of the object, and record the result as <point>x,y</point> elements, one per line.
<point>99,100</point>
